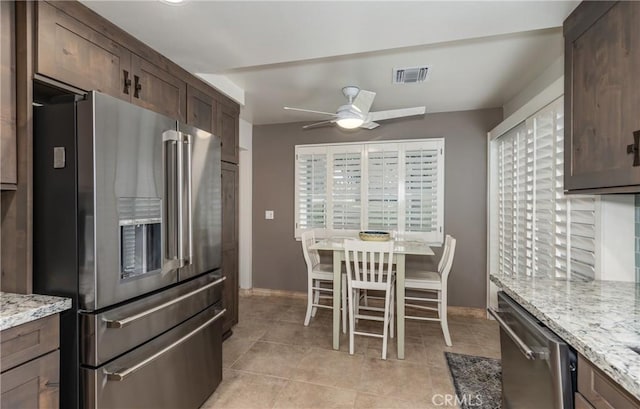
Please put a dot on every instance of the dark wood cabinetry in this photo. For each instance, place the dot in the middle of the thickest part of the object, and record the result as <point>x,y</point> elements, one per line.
<point>157,90</point>
<point>202,110</point>
<point>230,242</point>
<point>229,132</point>
<point>8,170</point>
<point>597,390</point>
<point>72,52</point>
<point>602,96</point>
<point>30,365</point>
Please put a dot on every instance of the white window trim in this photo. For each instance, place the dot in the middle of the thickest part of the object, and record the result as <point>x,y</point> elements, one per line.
<point>436,238</point>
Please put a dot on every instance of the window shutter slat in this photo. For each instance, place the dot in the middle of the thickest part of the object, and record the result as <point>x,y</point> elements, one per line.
<point>540,230</point>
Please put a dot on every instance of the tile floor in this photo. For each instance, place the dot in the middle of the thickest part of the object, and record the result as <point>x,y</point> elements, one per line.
<point>274,361</point>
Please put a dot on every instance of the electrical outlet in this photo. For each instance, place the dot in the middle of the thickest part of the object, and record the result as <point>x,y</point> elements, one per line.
<point>268,214</point>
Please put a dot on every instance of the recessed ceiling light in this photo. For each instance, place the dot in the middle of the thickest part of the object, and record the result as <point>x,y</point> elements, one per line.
<point>173,2</point>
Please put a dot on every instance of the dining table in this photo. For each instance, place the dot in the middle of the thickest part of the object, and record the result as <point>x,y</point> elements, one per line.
<point>401,249</point>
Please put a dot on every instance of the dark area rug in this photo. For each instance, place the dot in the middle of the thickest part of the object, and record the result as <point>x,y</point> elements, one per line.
<point>478,381</point>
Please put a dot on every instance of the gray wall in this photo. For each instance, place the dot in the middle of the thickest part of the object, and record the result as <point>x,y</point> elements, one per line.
<point>277,256</point>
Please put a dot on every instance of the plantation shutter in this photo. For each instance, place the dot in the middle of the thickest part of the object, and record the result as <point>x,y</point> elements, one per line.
<point>541,231</point>
<point>311,188</point>
<point>383,166</point>
<point>424,175</point>
<point>346,187</point>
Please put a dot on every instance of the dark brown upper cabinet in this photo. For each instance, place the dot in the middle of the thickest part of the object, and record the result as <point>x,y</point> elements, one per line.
<point>157,90</point>
<point>229,133</point>
<point>602,98</point>
<point>73,53</point>
<point>8,166</point>
<point>202,110</point>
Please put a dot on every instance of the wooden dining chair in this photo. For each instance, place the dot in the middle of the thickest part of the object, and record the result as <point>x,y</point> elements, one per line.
<point>319,274</point>
<point>426,283</point>
<point>369,267</point>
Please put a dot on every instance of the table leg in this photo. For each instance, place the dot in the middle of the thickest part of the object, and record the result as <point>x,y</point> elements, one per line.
<point>337,283</point>
<point>400,303</point>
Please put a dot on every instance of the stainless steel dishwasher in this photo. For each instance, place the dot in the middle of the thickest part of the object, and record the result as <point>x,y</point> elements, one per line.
<point>538,367</point>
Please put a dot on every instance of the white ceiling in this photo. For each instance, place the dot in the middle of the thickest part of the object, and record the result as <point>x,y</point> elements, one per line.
<point>301,53</point>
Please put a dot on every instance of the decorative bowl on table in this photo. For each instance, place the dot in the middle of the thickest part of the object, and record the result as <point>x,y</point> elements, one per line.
<point>369,235</point>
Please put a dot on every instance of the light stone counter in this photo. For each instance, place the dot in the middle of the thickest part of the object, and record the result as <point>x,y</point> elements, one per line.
<point>17,309</point>
<point>600,319</point>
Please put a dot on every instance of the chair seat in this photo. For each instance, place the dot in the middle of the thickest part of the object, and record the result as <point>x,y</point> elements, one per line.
<point>323,271</point>
<point>426,280</point>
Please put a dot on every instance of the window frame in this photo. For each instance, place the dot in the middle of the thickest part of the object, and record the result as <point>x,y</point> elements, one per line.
<point>401,146</point>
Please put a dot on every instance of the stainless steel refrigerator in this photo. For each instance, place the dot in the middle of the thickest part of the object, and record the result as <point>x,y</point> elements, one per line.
<point>127,223</point>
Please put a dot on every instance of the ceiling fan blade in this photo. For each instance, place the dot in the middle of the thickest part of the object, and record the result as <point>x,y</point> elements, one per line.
<point>395,113</point>
<point>310,110</point>
<point>364,100</point>
<point>369,125</point>
<point>322,123</point>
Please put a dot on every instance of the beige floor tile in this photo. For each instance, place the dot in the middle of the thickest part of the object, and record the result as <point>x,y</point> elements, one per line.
<point>396,379</point>
<point>369,401</point>
<point>306,395</point>
<point>414,349</point>
<point>233,348</point>
<point>251,328</point>
<point>330,368</point>
<point>245,391</point>
<point>271,359</point>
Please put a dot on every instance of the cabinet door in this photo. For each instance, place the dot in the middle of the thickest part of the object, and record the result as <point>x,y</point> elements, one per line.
<point>230,242</point>
<point>72,52</point>
<point>8,169</point>
<point>230,294</point>
<point>602,62</point>
<point>202,110</point>
<point>229,133</point>
<point>32,385</point>
<point>158,90</point>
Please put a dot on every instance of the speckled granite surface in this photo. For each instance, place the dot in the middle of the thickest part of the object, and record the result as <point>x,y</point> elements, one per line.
<point>600,319</point>
<point>17,309</point>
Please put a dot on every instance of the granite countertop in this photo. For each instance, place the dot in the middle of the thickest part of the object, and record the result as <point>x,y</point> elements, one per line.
<point>17,309</point>
<point>600,319</point>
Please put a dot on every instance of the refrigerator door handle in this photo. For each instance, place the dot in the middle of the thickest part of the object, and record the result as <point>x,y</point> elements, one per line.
<point>172,204</point>
<point>187,142</point>
<point>180,168</point>
<point>120,375</point>
<point>121,323</point>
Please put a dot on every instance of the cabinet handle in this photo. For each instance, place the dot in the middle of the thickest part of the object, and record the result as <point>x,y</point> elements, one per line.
<point>127,82</point>
<point>137,86</point>
<point>635,148</point>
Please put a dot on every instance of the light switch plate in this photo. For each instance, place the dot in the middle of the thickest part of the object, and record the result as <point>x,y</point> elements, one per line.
<point>59,157</point>
<point>268,215</point>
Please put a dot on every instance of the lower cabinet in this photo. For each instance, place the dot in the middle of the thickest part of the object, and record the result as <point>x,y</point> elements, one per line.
<point>230,295</point>
<point>30,362</point>
<point>597,390</point>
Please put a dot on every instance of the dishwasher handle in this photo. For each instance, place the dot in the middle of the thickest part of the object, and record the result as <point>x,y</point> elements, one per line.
<point>526,350</point>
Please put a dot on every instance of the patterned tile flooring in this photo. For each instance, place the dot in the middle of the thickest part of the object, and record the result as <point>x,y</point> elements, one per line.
<point>274,361</point>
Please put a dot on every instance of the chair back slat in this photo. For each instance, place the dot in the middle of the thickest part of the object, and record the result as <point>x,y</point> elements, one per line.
<point>311,257</point>
<point>448,260</point>
<point>369,261</point>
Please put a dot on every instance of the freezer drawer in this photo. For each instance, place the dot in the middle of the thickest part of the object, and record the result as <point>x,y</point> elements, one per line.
<point>179,369</point>
<point>111,333</point>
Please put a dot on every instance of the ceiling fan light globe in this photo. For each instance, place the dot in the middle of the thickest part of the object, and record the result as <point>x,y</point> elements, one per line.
<point>349,123</point>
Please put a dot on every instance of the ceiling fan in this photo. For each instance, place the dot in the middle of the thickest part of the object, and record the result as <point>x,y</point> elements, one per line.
<point>356,113</point>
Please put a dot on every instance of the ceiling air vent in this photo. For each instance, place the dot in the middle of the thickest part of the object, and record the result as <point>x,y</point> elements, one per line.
<point>412,75</point>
